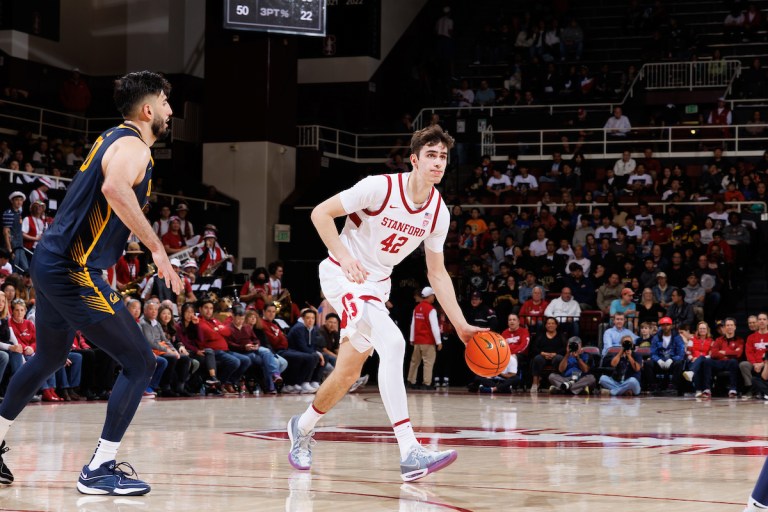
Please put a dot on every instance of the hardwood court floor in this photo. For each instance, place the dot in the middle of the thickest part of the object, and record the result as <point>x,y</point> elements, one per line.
<point>516,453</point>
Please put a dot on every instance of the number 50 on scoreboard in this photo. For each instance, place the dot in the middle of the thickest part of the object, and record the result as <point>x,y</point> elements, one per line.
<point>301,17</point>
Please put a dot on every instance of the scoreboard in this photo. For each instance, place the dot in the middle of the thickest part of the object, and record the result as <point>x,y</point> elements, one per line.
<point>303,17</point>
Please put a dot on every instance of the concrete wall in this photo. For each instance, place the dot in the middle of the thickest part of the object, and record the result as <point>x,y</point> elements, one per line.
<point>396,16</point>
<point>260,175</point>
<point>108,37</point>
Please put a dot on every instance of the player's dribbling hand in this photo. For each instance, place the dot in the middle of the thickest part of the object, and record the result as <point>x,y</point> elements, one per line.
<point>466,332</point>
<point>353,270</point>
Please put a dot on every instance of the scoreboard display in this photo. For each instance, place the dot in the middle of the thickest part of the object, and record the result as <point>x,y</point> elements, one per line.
<point>302,17</point>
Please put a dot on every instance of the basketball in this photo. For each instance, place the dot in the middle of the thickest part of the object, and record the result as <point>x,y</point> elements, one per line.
<point>487,354</point>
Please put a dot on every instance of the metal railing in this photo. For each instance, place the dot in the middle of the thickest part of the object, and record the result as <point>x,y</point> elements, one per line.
<point>589,207</point>
<point>357,147</point>
<point>678,141</point>
<point>42,121</point>
<point>690,75</point>
<point>172,199</point>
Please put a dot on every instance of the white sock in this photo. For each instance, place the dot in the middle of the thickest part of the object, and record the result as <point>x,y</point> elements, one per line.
<point>4,426</point>
<point>105,451</point>
<point>309,419</point>
<point>405,437</point>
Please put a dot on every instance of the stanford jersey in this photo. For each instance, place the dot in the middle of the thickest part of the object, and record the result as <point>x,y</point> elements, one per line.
<point>383,226</point>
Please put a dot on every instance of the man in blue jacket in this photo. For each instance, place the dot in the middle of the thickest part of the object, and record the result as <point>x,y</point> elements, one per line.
<point>667,357</point>
<point>301,338</point>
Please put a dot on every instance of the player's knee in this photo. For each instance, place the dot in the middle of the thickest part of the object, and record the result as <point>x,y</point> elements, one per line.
<point>348,376</point>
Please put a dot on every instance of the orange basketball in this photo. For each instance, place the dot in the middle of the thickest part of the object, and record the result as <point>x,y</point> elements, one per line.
<point>487,354</point>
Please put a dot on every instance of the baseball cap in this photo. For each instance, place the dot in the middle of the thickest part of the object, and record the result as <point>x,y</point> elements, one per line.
<point>661,274</point>
<point>190,263</point>
<point>665,321</point>
<point>45,181</point>
<point>174,218</point>
<point>209,234</point>
<point>15,194</point>
<point>181,207</point>
<point>175,262</point>
<point>427,291</point>
<point>477,295</point>
<point>627,291</point>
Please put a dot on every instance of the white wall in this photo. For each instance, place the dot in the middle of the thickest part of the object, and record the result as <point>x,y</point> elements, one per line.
<point>260,175</point>
<point>108,37</point>
<point>396,17</point>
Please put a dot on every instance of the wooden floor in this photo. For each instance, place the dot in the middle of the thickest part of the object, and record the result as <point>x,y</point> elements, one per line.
<point>518,453</point>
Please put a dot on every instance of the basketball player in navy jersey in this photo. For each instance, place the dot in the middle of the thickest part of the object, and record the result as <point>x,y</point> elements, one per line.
<point>102,206</point>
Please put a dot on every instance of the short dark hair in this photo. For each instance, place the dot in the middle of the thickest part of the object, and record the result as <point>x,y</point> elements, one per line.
<point>272,267</point>
<point>134,87</point>
<point>430,136</point>
<point>332,315</point>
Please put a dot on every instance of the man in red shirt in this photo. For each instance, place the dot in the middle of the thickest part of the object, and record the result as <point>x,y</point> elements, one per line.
<point>518,339</point>
<point>757,342</point>
<point>214,335</point>
<point>726,352</point>
<point>425,339</point>
<point>301,365</point>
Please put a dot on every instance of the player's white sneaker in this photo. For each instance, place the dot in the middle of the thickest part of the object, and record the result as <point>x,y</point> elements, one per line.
<point>420,462</point>
<point>300,454</point>
<point>688,376</point>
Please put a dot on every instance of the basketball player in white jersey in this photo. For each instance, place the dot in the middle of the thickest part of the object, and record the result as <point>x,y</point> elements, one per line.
<point>388,217</point>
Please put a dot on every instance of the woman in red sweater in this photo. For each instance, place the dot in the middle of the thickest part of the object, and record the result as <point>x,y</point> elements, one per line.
<point>24,331</point>
<point>697,349</point>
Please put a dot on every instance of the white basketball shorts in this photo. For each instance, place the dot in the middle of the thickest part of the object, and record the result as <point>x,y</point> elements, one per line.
<point>351,300</point>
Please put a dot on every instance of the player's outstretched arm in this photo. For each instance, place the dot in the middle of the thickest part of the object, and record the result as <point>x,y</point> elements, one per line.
<point>322,217</point>
<point>440,281</point>
<point>123,166</point>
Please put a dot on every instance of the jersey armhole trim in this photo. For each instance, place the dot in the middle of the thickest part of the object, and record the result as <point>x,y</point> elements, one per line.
<point>372,213</point>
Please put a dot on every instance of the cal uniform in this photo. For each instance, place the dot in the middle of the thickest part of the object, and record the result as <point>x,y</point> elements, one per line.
<point>382,227</point>
<point>85,238</point>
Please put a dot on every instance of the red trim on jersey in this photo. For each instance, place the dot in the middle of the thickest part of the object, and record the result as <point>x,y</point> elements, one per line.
<point>367,298</point>
<point>355,218</point>
<point>386,199</point>
<point>406,420</point>
<point>318,411</point>
<point>405,201</point>
<point>437,212</point>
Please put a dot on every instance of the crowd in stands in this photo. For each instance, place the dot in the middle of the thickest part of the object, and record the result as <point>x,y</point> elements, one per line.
<point>203,343</point>
<point>546,266</point>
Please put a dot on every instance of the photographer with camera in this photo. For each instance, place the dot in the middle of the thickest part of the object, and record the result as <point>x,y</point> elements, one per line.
<point>667,359</point>
<point>625,379</point>
<point>573,371</point>
<point>612,337</point>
